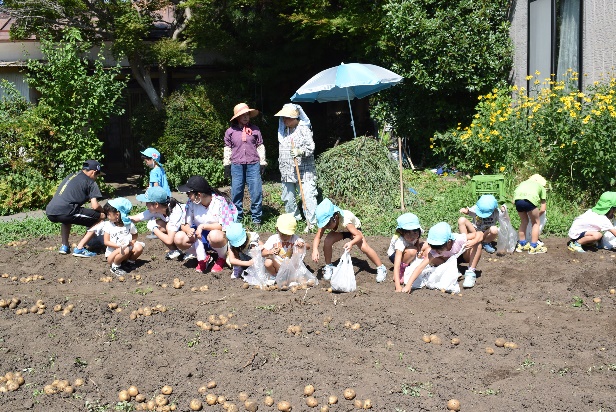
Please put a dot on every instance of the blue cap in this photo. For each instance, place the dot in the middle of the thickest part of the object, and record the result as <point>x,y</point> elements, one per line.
<point>236,234</point>
<point>408,221</point>
<point>439,234</point>
<point>324,211</point>
<point>154,194</point>
<point>485,206</point>
<point>124,206</point>
<point>152,154</point>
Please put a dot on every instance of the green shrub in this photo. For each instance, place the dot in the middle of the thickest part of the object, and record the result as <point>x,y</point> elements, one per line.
<point>358,171</point>
<point>147,124</point>
<point>559,132</point>
<point>23,191</point>
<point>180,168</point>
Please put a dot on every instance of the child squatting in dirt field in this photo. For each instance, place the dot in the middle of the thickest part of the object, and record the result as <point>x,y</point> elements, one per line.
<point>588,228</point>
<point>530,202</point>
<point>280,245</point>
<point>120,236</point>
<point>404,245</point>
<point>164,215</point>
<point>342,224</point>
<point>442,244</point>
<point>484,215</point>
<point>240,244</point>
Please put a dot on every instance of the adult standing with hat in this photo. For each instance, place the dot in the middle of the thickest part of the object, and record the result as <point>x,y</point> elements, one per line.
<point>296,162</point>
<point>244,161</point>
<point>66,206</point>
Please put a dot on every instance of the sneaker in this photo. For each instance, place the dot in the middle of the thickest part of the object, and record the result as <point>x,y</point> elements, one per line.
<point>520,248</point>
<point>537,250</point>
<point>219,265</point>
<point>64,250</point>
<point>151,236</point>
<point>118,271</point>
<point>83,253</point>
<point>381,273</point>
<point>188,256</point>
<point>328,271</point>
<point>237,272</point>
<point>540,243</point>
<point>174,254</point>
<point>469,279</point>
<point>488,248</point>
<point>202,265</point>
<point>574,247</point>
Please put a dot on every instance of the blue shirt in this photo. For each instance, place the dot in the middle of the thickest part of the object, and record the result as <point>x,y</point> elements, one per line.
<point>158,175</point>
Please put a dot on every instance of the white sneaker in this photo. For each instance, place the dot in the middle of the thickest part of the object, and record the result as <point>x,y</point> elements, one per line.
<point>469,279</point>
<point>328,271</point>
<point>381,273</point>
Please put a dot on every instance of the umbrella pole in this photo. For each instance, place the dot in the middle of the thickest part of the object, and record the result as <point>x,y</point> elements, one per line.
<point>400,168</point>
<point>351,111</point>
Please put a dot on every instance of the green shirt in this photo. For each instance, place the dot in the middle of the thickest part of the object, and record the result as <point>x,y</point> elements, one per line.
<point>531,191</point>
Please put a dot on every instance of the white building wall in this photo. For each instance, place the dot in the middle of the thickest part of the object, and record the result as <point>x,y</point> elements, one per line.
<point>519,36</point>
<point>598,40</point>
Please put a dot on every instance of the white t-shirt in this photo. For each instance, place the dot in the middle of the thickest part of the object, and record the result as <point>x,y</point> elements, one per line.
<point>398,243</point>
<point>347,218</point>
<point>197,214</point>
<point>482,223</point>
<point>286,248</point>
<point>589,221</point>
<point>118,234</point>
<point>174,220</point>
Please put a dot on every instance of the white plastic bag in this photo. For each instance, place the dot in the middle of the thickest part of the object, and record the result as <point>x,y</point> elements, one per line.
<point>256,274</point>
<point>442,277</point>
<point>293,272</point>
<point>542,220</point>
<point>608,241</point>
<point>343,278</point>
<point>507,235</point>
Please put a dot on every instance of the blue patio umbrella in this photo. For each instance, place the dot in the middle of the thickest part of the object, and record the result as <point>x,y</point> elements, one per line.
<point>346,82</point>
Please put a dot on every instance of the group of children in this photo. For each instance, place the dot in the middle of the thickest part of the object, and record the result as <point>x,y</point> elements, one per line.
<point>206,228</point>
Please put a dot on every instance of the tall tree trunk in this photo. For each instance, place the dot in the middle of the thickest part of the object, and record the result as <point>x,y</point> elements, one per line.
<point>142,75</point>
<point>163,77</point>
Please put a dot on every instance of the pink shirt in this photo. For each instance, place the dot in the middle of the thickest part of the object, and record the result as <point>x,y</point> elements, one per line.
<point>458,244</point>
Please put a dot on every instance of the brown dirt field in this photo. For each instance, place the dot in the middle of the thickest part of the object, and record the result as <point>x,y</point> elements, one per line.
<point>565,360</point>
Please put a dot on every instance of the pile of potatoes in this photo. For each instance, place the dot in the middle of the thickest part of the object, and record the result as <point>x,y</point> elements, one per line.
<point>16,243</point>
<point>159,403</point>
<point>177,283</point>
<point>114,306</point>
<point>147,311</point>
<point>350,325</point>
<point>501,343</point>
<point>13,278</point>
<point>434,339</point>
<point>11,381</point>
<point>11,303</point>
<point>62,386</point>
<point>31,278</point>
<point>38,308</point>
<point>107,279</point>
<point>216,322</point>
<point>203,288</point>
<point>65,310</point>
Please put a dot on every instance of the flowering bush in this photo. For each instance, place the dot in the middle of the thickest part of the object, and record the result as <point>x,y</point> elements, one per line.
<point>555,130</point>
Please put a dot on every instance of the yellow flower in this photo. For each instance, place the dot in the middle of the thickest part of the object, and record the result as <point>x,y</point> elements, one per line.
<point>502,168</point>
<point>575,142</point>
<point>529,77</point>
<point>487,165</point>
<point>431,146</point>
<point>562,145</point>
<point>537,72</point>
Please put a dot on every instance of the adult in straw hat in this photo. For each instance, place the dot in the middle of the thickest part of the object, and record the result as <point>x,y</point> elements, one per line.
<point>296,162</point>
<point>244,161</point>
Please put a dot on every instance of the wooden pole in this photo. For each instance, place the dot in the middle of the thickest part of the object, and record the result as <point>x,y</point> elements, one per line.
<point>301,189</point>
<point>400,167</point>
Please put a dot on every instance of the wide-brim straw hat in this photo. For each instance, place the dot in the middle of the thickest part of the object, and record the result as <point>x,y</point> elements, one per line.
<point>242,108</point>
<point>288,110</point>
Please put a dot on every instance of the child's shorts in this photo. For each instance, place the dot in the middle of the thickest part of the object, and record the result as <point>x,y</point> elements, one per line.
<point>348,235</point>
<point>523,205</point>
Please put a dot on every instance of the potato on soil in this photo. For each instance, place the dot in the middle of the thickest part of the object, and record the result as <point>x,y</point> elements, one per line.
<point>612,291</point>
<point>511,345</point>
<point>332,400</point>
<point>358,404</point>
<point>324,408</point>
<point>161,400</point>
<point>79,382</point>
<point>367,404</point>
<point>211,384</point>
<point>311,402</point>
<point>435,340</point>
<point>308,390</point>
<point>489,351</point>
<point>284,406</point>
<point>453,405</point>
<point>455,341</point>
<point>251,406</point>
<point>221,399</point>
<point>426,338</point>
<point>349,394</point>
<point>597,300</point>
<point>500,342</point>
<point>211,399</point>
<point>242,396</point>
<point>133,391</point>
<point>233,407</point>
<point>140,397</point>
<point>166,390</point>
<point>268,401</point>
<point>123,396</point>
<point>195,405</point>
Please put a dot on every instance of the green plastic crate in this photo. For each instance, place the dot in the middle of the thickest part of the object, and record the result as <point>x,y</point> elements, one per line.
<point>489,184</point>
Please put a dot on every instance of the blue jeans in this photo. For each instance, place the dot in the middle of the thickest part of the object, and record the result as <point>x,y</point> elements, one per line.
<point>242,175</point>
